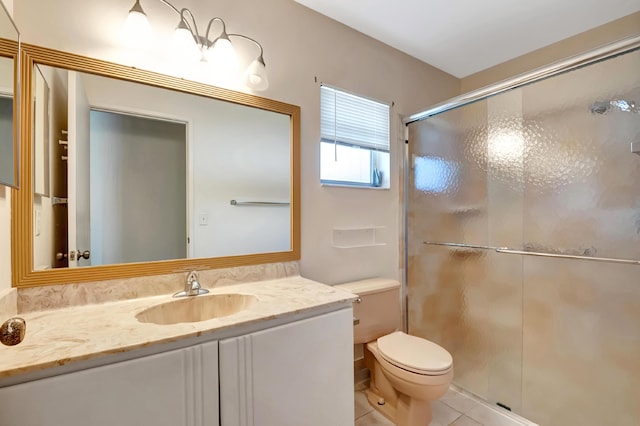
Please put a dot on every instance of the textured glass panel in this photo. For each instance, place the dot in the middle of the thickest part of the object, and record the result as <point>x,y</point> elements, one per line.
<point>582,196</point>
<point>582,180</point>
<point>581,362</point>
<point>448,177</point>
<point>503,329</point>
<point>505,169</point>
<point>466,186</point>
<point>469,302</point>
<point>447,306</point>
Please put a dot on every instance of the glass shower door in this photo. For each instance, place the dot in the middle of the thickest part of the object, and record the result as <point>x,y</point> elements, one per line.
<point>549,168</point>
<point>581,347</point>
<point>464,199</point>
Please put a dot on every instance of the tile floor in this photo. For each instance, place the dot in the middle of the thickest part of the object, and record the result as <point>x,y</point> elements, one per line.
<point>453,409</point>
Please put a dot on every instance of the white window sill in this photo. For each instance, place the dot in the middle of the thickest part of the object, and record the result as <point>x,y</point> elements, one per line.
<point>337,185</point>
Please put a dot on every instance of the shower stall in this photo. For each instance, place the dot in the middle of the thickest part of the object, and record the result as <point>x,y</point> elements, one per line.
<point>523,238</point>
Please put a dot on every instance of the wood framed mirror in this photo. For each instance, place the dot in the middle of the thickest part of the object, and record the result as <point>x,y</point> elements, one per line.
<point>223,192</point>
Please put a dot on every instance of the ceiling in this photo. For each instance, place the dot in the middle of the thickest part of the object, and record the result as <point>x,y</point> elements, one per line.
<point>463,37</point>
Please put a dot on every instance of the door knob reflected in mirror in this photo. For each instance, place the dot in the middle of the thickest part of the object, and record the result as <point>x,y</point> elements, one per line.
<point>77,253</point>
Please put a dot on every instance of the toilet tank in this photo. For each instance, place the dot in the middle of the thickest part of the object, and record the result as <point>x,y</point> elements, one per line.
<point>378,311</point>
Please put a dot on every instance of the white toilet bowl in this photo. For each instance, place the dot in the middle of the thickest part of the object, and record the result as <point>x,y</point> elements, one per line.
<point>408,389</point>
<point>413,360</point>
<point>407,372</point>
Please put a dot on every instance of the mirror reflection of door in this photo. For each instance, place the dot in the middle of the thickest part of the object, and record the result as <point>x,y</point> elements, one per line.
<point>138,188</point>
<point>49,186</point>
<point>118,191</point>
<point>126,187</point>
<point>78,178</point>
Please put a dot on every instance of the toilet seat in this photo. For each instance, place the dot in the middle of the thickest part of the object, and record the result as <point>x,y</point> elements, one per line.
<point>414,354</point>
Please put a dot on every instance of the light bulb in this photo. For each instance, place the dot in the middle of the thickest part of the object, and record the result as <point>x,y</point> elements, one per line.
<point>136,30</point>
<point>222,54</point>
<point>184,45</point>
<point>255,77</point>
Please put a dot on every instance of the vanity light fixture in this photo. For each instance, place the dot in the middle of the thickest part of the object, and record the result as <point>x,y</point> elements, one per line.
<point>187,39</point>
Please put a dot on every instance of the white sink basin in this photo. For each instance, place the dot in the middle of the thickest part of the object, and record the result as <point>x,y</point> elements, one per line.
<point>197,308</point>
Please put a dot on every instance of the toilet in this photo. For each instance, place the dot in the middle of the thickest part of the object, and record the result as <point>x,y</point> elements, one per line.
<point>407,372</point>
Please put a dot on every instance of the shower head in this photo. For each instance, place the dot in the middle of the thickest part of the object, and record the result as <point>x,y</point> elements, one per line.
<point>602,107</point>
<point>599,107</point>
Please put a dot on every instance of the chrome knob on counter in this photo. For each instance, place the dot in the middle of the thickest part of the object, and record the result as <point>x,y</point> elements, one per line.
<point>12,331</point>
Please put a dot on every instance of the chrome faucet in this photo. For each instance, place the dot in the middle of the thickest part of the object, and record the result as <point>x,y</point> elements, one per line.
<point>191,286</point>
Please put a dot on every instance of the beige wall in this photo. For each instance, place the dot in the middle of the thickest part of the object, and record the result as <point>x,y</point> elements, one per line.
<point>301,47</point>
<point>607,33</point>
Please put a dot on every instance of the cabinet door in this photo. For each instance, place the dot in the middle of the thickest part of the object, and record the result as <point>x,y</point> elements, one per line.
<point>295,374</point>
<point>168,389</point>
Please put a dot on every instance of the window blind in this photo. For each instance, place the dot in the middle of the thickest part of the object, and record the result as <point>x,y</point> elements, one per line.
<point>353,119</point>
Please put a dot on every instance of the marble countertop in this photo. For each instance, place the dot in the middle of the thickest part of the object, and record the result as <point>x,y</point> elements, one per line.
<point>66,335</point>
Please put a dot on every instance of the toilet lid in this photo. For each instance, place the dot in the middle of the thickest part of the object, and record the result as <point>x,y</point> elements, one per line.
<point>414,353</point>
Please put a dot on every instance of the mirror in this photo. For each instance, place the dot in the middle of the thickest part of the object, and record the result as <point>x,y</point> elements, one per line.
<point>134,173</point>
<point>9,77</point>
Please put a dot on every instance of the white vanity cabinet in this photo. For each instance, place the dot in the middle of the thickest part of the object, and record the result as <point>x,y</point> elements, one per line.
<point>295,374</point>
<point>173,388</point>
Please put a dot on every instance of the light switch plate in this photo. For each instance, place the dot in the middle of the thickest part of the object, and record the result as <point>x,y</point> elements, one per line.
<point>203,219</point>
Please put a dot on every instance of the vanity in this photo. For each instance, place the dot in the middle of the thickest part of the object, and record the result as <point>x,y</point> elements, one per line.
<point>283,358</point>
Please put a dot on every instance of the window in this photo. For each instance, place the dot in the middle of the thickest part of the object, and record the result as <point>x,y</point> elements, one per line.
<point>354,140</point>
